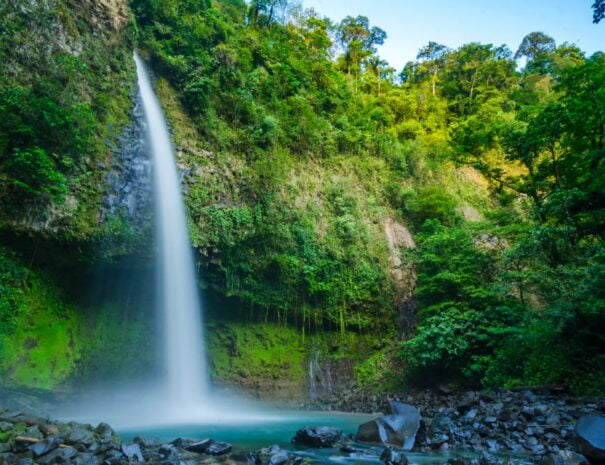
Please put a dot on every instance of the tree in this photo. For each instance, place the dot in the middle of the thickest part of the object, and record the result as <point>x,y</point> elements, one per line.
<point>359,41</point>
<point>599,11</point>
<point>266,11</point>
<point>475,73</point>
<point>434,56</point>
<point>380,70</point>
<point>534,45</point>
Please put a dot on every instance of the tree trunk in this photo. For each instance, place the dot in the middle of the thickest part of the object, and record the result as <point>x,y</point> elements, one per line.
<point>473,82</point>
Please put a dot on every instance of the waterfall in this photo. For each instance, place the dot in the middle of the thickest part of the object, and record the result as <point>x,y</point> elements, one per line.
<point>178,299</point>
<point>182,395</point>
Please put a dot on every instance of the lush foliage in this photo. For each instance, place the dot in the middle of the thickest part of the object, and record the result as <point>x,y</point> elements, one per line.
<point>499,277</point>
<point>308,161</point>
<point>64,91</point>
<point>532,310</point>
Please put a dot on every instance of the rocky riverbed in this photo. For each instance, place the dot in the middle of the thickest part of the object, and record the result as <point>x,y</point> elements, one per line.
<point>471,428</point>
<point>525,422</point>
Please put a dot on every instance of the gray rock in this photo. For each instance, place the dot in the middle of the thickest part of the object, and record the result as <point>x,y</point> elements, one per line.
<point>487,459</point>
<point>564,457</point>
<point>147,441</point>
<point>218,448</point>
<point>114,457</point>
<point>253,458</point>
<point>5,426</point>
<point>348,449</point>
<point>317,436</point>
<point>390,456</point>
<point>26,461</point>
<point>590,438</point>
<point>80,435</point>
<point>199,447</point>
<point>182,443</point>
<point>167,450</point>
<point>104,431</point>
<point>33,432</point>
<point>132,451</point>
<point>85,459</point>
<point>280,458</point>
<point>398,429</point>
<point>44,446</point>
<point>63,455</point>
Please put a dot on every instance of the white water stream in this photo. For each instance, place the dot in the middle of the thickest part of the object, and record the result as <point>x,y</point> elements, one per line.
<point>178,299</point>
<point>181,393</point>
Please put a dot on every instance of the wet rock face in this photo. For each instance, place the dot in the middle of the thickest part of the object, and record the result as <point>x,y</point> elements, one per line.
<point>129,182</point>
<point>590,438</point>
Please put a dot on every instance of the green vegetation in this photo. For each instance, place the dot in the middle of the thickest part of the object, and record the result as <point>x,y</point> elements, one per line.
<point>39,331</point>
<point>64,96</point>
<point>274,359</point>
<point>330,195</point>
<point>495,170</point>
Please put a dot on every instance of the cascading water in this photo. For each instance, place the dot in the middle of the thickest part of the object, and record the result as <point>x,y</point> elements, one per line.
<point>182,396</point>
<point>178,298</point>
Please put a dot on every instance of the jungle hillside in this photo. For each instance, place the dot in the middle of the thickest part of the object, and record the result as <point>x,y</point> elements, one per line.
<point>439,224</point>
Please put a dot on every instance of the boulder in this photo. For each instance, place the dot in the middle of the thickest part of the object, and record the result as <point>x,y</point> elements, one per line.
<point>485,458</point>
<point>272,455</point>
<point>43,447</point>
<point>218,448</point>
<point>167,450</point>
<point>114,457</point>
<point>85,459</point>
<point>564,457</point>
<point>253,458</point>
<point>132,451</point>
<point>281,458</point>
<point>390,456</point>
<point>148,441</point>
<point>398,429</point>
<point>80,435</point>
<point>317,436</point>
<point>590,438</point>
<point>182,443</point>
<point>104,431</point>
<point>94,448</point>
<point>63,455</point>
<point>348,449</point>
<point>199,447</point>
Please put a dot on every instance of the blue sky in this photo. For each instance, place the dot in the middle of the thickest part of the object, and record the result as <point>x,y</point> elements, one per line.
<point>410,24</point>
